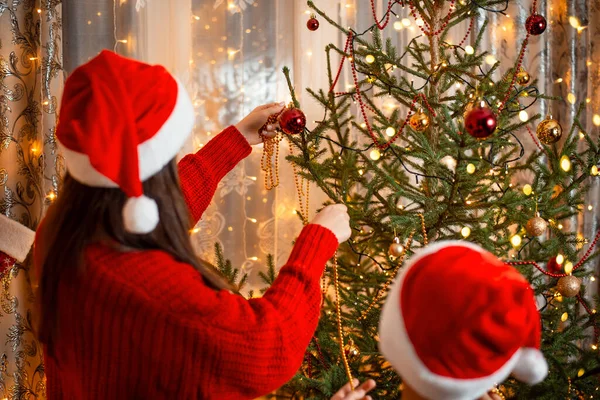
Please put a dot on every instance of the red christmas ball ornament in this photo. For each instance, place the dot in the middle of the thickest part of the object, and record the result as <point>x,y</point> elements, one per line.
<point>292,121</point>
<point>535,24</point>
<point>313,23</point>
<point>480,122</point>
<point>553,266</point>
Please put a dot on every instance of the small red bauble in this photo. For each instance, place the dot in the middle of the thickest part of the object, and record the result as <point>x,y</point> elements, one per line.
<point>480,122</point>
<point>553,267</point>
<point>535,24</point>
<point>292,121</point>
<point>312,24</point>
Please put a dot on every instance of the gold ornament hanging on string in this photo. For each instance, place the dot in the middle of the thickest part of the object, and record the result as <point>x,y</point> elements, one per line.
<point>352,351</point>
<point>569,286</point>
<point>549,131</point>
<point>537,225</point>
<point>419,121</point>
<point>396,249</point>
<point>523,77</point>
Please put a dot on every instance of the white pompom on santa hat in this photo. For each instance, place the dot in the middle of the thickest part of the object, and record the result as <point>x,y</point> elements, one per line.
<point>458,321</point>
<point>121,121</point>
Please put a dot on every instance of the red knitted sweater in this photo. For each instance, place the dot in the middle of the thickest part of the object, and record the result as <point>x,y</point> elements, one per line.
<point>141,325</point>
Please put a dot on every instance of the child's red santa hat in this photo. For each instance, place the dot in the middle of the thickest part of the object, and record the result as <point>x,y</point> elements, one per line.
<point>457,321</point>
<point>121,121</point>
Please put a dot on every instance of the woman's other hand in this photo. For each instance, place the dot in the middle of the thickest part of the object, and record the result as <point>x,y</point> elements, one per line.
<point>346,392</point>
<point>251,124</point>
<point>336,219</point>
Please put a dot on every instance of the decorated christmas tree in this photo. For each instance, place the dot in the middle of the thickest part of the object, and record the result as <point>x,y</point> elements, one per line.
<point>426,143</point>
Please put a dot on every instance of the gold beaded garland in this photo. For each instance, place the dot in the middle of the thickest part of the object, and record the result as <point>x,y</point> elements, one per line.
<point>270,152</point>
<point>549,131</point>
<point>569,286</point>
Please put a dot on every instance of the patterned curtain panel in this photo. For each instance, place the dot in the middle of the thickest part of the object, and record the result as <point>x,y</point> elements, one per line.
<point>31,81</point>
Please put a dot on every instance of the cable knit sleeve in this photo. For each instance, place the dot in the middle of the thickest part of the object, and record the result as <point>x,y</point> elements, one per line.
<point>200,173</point>
<point>251,347</point>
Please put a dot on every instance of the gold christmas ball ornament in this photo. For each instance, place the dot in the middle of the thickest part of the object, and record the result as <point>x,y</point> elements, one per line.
<point>352,352</point>
<point>569,286</point>
<point>536,226</point>
<point>549,131</point>
<point>419,121</point>
<point>523,77</point>
<point>396,249</point>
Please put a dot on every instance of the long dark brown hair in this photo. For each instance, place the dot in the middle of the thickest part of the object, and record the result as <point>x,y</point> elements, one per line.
<point>83,214</point>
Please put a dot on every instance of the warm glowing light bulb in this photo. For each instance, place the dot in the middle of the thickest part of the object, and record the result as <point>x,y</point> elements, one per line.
<point>375,155</point>
<point>574,22</point>
<point>406,22</point>
<point>390,131</point>
<point>490,60</point>
<point>571,98</point>
<point>560,259</point>
<point>565,163</point>
<point>564,317</point>
<point>568,267</point>
<point>580,372</point>
<point>398,25</point>
<point>419,22</point>
<point>527,189</point>
<point>469,50</point>
<point>470,168</point>
<point>370,59</point>
<point>596,119</point>
<point>516,240</point>
<point>594,170</point>
<point>523,116</point>
<point>465,232</point>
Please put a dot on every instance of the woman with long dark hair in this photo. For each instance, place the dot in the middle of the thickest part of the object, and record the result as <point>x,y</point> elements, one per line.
<point>127,310</point>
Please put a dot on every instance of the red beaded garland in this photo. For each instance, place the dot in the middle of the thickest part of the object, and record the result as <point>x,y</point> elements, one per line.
<point>312,24</point>
<point>535,24</point>
<point>387,14</point>
<point>292,121</point>
<point>480,122</point>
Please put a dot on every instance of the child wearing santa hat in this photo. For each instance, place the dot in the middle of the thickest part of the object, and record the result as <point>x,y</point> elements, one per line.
<point>128,311</point>
<point>456,322</point>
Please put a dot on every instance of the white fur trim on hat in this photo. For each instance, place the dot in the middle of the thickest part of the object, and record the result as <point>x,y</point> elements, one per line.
<point>532,367</point>
<point>140,215</point>
<point>397,348</point>
<point>153,154</point>
<point>15,239</point>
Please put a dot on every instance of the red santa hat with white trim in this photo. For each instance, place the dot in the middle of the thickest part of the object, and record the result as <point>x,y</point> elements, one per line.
<point>457,321</point>
<point>121,121</point>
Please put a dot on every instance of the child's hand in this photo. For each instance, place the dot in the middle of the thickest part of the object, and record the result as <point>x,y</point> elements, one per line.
<point>336,219</point>
<point>250,125</point>
<point>346,393</point>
